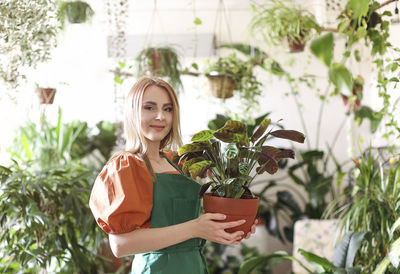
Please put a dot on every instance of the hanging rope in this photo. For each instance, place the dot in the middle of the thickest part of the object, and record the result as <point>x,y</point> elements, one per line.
<point>221,12</point>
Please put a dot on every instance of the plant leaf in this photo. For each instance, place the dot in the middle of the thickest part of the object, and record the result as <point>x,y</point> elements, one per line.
<point>260,130</point>
<point>322,47</point>
<point>341,78</point>
<point>292,135</point>
<point>198,168</point>
<point>231,151</point>
<point>203,136</point>
<point>313,258</point>
<point>346,249</point>
<point>193,147</point>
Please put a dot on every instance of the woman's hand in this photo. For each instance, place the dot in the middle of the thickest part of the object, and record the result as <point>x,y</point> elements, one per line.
<point>253,229</point>
<point>207,227</point>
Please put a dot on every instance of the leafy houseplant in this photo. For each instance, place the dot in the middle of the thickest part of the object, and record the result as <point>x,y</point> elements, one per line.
<point>229,168</point>
<point>282,20</point>
<point>160,62</point>
<point>231,73</point>
<point>371,204</point>
<point>77,12</point>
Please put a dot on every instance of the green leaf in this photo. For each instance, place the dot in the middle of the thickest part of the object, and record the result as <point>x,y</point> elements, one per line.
<point>199,168</point>
<point>197,21</point>
<point>346,249</point>
<point>229,130</point>
<point>313,258</point>
<point>322,47</point>
<point>394,227</point>
<point>381,267</point>
<point>231,151</point>
<point>394,253</point>
<point>203,136</point>
<point>118,80</point>
<point>193,147</point>
<point>188,163</point>
<point>260,130</point>
<point>244,168</point>
<point>341,78</point>
<point>359,8</point>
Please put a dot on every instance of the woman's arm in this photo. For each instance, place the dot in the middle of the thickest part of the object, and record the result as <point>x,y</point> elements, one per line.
<point>150,239</point>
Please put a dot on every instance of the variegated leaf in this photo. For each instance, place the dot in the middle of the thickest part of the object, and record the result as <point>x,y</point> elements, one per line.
<point>192,147</point>
<point>260,130</point>
<point>188,163</point>
<point>231,151</point>
<point>199,167</point>
<point>203,136</point>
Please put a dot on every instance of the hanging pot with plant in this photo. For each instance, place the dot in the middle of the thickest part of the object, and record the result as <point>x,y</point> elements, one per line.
<point>161,62</point>
<point>227,157</point>
<point>77,12</point>
<point>282,20</point>
<point>46,95</point>
<point>230,73</point>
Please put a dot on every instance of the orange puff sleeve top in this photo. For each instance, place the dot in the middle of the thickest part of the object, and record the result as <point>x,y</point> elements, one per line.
<point>122,195</point>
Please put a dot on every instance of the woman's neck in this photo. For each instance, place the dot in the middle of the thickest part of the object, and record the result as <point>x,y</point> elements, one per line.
<point>153,151</point>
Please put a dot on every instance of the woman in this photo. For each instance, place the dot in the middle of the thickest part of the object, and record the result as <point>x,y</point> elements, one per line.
<point>142,200</point>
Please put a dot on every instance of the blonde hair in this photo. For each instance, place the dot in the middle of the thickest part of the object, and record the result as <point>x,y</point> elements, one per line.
<point>136,143</point>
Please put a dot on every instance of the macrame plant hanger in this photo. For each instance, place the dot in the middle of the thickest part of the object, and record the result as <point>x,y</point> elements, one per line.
<point>148,40</point>
<point>118,15</point>
<point>219,18</point>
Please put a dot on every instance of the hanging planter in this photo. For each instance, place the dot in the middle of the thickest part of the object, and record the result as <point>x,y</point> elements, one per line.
<point>222,86</point>
<point>282,20</point>
<point>46,95</point>
<point>296,45</point>
<point>77,12</point>
<point>161,62</point>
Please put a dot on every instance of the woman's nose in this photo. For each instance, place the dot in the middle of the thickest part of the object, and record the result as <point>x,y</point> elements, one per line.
<point>160,115</point>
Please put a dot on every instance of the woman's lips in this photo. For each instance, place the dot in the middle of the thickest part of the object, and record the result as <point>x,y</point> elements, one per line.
<point>159,128</point>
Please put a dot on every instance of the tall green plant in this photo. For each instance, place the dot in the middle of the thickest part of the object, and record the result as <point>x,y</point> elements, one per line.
<point>45,219</point>
<point>371,204</point>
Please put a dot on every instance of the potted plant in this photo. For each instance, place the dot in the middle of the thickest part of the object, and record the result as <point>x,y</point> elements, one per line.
<point>160,62</point>
<point>77,12</point>
<point>46,95</point>
<point>228,157</point>
<point>283,20</point>
<point>230,73</point>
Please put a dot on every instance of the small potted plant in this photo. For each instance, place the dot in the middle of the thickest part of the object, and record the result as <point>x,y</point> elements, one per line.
<point>77,12</point>
<point>228,157</point>
<point>282,20</point>
<point>46,95</point>
<point>161,62</point>
<point>230,73</point>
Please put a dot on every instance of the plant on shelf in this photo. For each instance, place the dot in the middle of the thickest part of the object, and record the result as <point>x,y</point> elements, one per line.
<point>161,62</point>
<point>77,12</point>
<point>283,21</point>
<point>228,157</point>
<point>230,73</point>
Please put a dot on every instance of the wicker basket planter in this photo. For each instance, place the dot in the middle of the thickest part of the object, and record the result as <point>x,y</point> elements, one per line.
<point>222,86</point>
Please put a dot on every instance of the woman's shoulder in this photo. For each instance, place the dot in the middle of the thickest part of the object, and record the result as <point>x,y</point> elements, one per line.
<point>122,160</point>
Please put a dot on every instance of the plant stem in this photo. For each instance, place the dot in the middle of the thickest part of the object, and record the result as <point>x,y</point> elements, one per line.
<point>338,132</point>
<point>321,109</point>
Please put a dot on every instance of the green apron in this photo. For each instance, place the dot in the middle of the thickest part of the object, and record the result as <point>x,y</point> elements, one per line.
<point>175,200</point>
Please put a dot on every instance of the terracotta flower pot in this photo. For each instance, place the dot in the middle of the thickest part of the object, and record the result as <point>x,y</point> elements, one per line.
<point>234,209</point>
<point>295,45</point>
<point>222,86</point>
<point>46,95</point>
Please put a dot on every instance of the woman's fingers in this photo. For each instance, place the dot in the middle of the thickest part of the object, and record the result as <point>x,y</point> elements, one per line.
<point>233,224</point>
<point>216,216</point>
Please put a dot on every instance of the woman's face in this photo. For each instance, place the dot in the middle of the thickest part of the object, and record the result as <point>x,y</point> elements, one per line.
<point>157,114</point>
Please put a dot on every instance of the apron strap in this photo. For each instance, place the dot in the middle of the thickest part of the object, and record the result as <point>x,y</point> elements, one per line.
<point>175,166</point>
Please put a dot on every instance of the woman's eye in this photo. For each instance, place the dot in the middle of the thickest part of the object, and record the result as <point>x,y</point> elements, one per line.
<point>168,109</point>
<point>148,107</point>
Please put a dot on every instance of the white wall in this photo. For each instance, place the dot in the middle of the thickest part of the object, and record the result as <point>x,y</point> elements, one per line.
<point>81,62</point>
